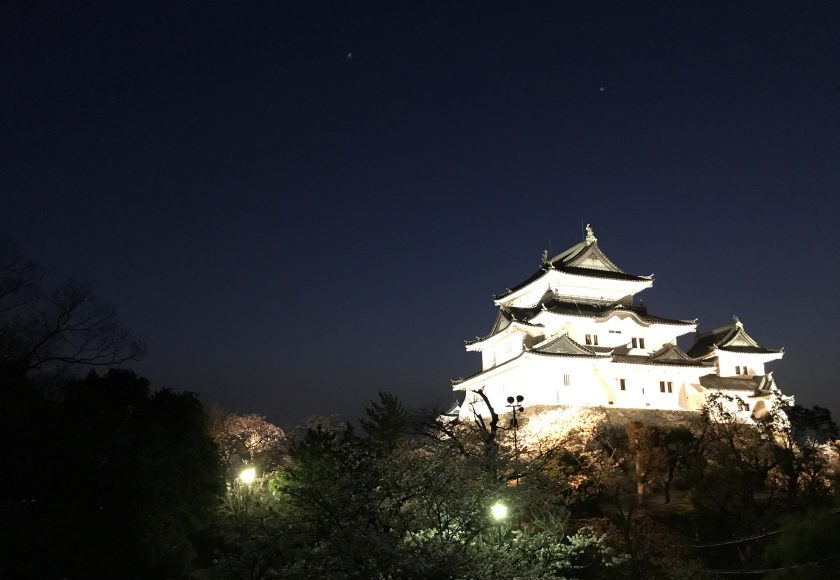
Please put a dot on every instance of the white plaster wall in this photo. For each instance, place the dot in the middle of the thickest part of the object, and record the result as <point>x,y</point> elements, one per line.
<point>727,362</point>
<point>642,385</point>
<point>616,331</point>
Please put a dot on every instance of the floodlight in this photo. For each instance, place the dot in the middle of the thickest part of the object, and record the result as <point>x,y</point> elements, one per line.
<point>510,399</point>
<point>247,476</point>
<point>499,511</point>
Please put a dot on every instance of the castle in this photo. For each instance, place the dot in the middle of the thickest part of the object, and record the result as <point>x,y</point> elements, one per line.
<point>572,334</point>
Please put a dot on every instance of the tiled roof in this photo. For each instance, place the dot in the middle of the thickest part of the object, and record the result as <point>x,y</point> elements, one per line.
<point>588,310</point>
<point>756,383</point>
<point>562,345</point>
<point>502,321</point>
<point>671,353</point>
<point>572,261</point>
<point>590,272</point>
<point>732,338</point>
<point>646,360</point>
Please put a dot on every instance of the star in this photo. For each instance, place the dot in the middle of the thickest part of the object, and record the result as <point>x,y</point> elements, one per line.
<point>349,55</point>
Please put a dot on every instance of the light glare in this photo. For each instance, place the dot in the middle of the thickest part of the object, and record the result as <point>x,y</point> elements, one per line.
<point>247,476</point>
<point>499,511</point>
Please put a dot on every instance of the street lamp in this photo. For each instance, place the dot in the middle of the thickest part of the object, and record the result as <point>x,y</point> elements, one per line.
<point>248,475</point>
<point>515,405</point>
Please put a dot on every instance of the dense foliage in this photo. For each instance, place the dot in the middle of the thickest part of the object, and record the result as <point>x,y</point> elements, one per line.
<point>397,504</point>
<point>106,479</point>
<point>590,494</point>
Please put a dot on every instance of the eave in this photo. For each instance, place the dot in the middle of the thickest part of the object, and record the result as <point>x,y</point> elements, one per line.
<point>523,327</point>
<point>633,284</point>
<point>689,325</point>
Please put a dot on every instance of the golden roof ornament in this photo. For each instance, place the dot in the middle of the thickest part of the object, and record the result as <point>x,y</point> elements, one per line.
<point>590,236</point>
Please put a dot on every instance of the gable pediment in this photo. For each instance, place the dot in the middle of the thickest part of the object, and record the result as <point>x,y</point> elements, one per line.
<point>592,258</point>
<point>563,344</point>
<point>670,353</point>
<point>739,338</point>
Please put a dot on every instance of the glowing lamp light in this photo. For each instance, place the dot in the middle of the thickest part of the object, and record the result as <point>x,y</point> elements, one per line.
<point>499,511</point>
<point>247,476</point>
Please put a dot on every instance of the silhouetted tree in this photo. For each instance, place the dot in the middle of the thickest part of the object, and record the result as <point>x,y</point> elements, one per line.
<point>386,420</point>
<point>110,481</point>
<point>43,328</point>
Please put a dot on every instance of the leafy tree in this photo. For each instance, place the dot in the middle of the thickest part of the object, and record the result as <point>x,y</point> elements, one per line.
<point>814,424</point>
<point>386,421</point>
<point>807,546</point>
<point>249,439</point>
<point>391,505</point>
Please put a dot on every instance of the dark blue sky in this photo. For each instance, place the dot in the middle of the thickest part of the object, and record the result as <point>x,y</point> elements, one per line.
<point>291,230</point>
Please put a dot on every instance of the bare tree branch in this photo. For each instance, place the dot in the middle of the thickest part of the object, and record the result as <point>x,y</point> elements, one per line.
<point>67,326</point>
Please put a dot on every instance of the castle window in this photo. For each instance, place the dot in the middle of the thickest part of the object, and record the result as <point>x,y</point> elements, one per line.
<point>737,370</point>
<point>588,339</point>
<point>567,380</point>
<point>623,384</point>
<point>666,386</point>
<point>638,342</point>
<point>661,386</point>
<point>670,387</point>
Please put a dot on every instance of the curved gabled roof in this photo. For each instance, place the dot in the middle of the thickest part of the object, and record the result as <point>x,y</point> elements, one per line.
<point>671,353</point>
<point>732,338</point>
<point>504,319</point>
<point>562,345</point>
<point>583,259</point>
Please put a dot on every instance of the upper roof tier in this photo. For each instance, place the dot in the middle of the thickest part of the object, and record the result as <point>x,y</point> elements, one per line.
<point>731,338</point>
<point>583,272</point>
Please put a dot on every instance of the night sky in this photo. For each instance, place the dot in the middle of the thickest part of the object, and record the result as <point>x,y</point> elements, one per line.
<point>296,204</point>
